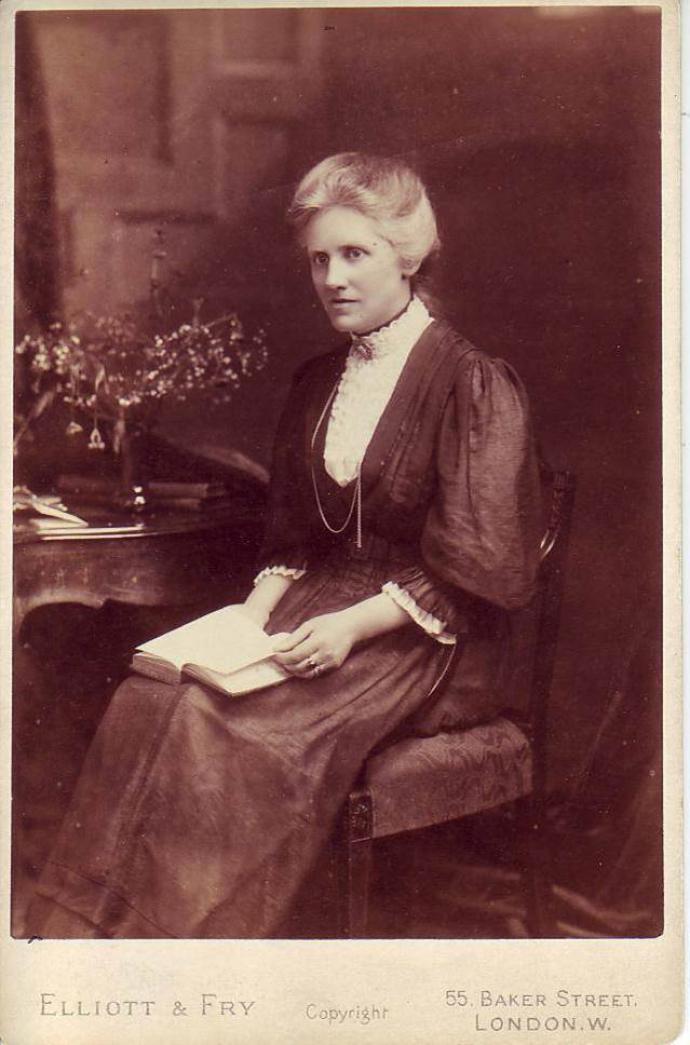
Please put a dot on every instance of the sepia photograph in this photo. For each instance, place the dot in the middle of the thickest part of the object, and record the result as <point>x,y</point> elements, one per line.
<point>337,485</point>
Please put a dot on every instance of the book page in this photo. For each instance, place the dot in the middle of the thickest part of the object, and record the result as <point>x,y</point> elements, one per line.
<point>244,680</point>
<point>223,641</point>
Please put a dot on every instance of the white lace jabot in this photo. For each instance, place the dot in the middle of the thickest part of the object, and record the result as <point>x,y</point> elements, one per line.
<point>371,371</point>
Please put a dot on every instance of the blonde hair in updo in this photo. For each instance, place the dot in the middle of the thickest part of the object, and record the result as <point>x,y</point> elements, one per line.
<point>385,190</point>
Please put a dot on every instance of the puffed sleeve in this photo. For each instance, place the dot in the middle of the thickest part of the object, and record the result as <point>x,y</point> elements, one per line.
<point>481,536</point>
<point>285,545</point>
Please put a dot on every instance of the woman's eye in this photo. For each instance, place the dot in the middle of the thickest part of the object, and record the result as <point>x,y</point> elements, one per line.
<point>319,259</point>
<point>353,253</point>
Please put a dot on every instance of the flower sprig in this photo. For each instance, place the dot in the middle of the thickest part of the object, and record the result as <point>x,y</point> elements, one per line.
<point>113,368</point>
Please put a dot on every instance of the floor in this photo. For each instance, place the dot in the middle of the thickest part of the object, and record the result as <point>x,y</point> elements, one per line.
<point>420,890</point>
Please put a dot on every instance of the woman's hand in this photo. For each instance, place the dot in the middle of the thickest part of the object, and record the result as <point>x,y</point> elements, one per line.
<point>264,597</point>
<point>259,614</point>
<point>320,644</point>
<point>323,643</point>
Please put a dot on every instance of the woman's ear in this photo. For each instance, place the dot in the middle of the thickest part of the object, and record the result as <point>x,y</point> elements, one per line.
<point>409,269</point>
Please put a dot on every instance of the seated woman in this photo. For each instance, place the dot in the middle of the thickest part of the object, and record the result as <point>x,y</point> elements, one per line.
<point>404,508</point>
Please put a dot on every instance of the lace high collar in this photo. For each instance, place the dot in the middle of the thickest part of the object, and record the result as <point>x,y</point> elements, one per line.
<point>399,333</point>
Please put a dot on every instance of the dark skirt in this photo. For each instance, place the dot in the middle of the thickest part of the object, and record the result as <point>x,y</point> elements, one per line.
<point>202,816</point>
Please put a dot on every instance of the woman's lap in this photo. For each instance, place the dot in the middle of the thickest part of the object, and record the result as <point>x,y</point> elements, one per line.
<point>199,815</point>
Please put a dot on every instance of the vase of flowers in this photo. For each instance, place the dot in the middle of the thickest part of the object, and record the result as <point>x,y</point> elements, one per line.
<point>114,372</point>
<point>133,468</point>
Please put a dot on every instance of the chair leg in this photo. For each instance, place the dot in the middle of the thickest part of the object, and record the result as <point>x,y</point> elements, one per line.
<point>537,872</point>
<point>359,860</point>
<point>358,880</point>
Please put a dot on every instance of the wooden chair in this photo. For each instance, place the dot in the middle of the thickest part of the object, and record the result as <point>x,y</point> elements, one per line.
<point>418,782</point>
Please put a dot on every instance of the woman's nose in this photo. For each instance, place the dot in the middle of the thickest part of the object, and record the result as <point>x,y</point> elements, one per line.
<point>335,274</point>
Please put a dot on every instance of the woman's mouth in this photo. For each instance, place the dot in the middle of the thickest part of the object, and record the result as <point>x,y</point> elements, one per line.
<point>342,302</point>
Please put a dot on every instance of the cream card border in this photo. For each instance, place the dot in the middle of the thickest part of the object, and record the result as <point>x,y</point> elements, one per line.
<point>408,978</point>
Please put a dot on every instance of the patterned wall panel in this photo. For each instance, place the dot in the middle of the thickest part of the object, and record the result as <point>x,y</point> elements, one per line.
<point>166,120</point>
<point>259,36</point>
<point>249,158</point>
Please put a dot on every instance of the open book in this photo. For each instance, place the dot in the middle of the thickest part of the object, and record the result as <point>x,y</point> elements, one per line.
<point>224,649</point>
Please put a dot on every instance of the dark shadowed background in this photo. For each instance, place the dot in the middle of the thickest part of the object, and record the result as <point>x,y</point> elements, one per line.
<point>537,131</point>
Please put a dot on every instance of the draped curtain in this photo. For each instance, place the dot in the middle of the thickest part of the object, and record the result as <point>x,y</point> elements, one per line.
<point>608,841</point>
<point>37,290</point>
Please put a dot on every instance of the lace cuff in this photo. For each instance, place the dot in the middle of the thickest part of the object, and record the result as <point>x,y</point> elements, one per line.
<point>430,624</point>
<point>279,571</point>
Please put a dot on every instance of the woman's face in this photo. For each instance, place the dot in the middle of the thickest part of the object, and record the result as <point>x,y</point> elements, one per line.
<point>356,272</point>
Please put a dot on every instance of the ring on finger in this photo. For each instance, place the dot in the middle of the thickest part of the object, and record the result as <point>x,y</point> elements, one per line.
<point>317,669</point>
<point>311,663</point>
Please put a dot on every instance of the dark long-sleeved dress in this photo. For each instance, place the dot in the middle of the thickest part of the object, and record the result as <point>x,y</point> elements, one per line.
<point>199,816</point>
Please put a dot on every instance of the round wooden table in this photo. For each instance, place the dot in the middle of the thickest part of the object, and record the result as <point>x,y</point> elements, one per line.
<point>166,558</point>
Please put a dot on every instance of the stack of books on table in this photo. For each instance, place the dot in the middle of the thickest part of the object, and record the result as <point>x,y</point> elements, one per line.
<point>167,494</point>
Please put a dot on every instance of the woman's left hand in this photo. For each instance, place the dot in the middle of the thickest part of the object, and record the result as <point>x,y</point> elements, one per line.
<point>320,644</point>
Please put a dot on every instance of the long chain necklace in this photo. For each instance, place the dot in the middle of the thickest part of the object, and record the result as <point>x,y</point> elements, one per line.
<point>356,504</point>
